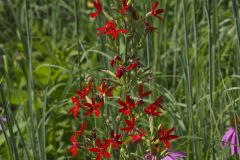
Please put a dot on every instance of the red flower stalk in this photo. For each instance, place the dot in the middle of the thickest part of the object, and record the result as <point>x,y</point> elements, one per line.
<point>138,137</point>
<point>120,71</point>
<point>130,125</point>
<point>126,106</point>
<point>103,91</point>
<point>155,12</point>
<point>152,108</point>
<point>100,150</point>
<point>85,90</point>
<point>114,140</point>
<point>73,149</point>
<point>166,137</point>
<point>93,107</point>
<point>125,6</point>
<point>98,7</point>
<point>148,27</point>
<point>110,29</point>
<point>75,109</point>
<point>82,129</point>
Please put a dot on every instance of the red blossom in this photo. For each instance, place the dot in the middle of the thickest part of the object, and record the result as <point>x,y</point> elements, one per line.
<point>100,150</point>
<point>126,106</point>
<point>93,107</point>
<point>85,90</point>
<point>116,58</point>
<point>120,71</point>
<point>103,91</point>
<point>166,137</point>
<point>98,7</point>
<point>148,27</point>
<point>142,94</point>
<point>130,125</point>
<point>110,29</point>
<point>75,109</point>
<point>138,137</point>
<point>114,140</point>
<point>152,108</point>
<point>132,66</point>
<point>82,129</point>
<point>125,6</point>
<point>155,12</point>
<point>73,149</point>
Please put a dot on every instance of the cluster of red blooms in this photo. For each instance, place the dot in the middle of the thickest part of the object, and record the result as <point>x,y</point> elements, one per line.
<point>90,100</point>
<point>126,108</point>
<point>110,26</point>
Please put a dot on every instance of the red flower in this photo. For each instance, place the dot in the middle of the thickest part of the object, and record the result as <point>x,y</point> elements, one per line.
<point>114,140</point>
<point>125,6</point>
<point>126,106</point>
<point>85,90</point>
<point>75,108</point>
<point>142,94</point>
<point>152,108</point>
<point>116,58</point>
<point>138,137</point>
<point>82,129</point>
<point>93,107</point>
<point>73,149</point>
<point>130,125</point>
<point>166,137</point>
<point>103,91</point>
<point>98,7</point>
<point>132,66</point>
<point>155,12</point>
<point>110,29</point>
<point>120,70</point>
<point>148,27</point>
<point>100,150</point>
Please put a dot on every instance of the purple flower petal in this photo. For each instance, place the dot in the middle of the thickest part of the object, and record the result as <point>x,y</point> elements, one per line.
<point>174,155</point>
<point>228,136</point>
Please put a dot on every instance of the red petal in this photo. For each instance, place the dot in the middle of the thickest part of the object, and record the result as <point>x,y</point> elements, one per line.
<point>107,155</point>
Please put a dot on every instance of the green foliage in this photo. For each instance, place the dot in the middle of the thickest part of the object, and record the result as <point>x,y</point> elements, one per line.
<point>48,47</point>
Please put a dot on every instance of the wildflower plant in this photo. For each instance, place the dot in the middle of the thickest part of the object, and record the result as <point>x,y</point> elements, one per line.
<point>122,101</point>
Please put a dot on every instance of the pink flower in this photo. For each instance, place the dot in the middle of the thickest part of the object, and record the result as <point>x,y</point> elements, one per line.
<point>231,137</point>
<point>174,155</point>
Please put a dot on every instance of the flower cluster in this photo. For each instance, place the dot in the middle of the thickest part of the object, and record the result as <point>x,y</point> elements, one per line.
<point>122,100</point>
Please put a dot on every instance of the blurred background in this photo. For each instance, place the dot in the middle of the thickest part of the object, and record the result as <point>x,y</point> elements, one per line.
<point>47,48</point>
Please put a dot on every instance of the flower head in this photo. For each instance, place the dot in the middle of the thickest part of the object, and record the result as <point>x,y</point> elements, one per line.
<point>93,107</point>
<point>98,7</point>
<point>230,137</point>
<point>148,27</point>
<point>73,149</point>
<point>125,6</point>
<point>115,140</point>
<point>165,136</point>
<point>126,106</point>
<point>130,125</point>
<point>155,12</point>
<point>174,155</point>
<point>110,29</point>
<point>103,91</point>
<point>75,109</point>
<point>100,150</point>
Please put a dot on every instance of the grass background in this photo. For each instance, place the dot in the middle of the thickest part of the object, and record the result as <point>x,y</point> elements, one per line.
<point>48,47</point>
